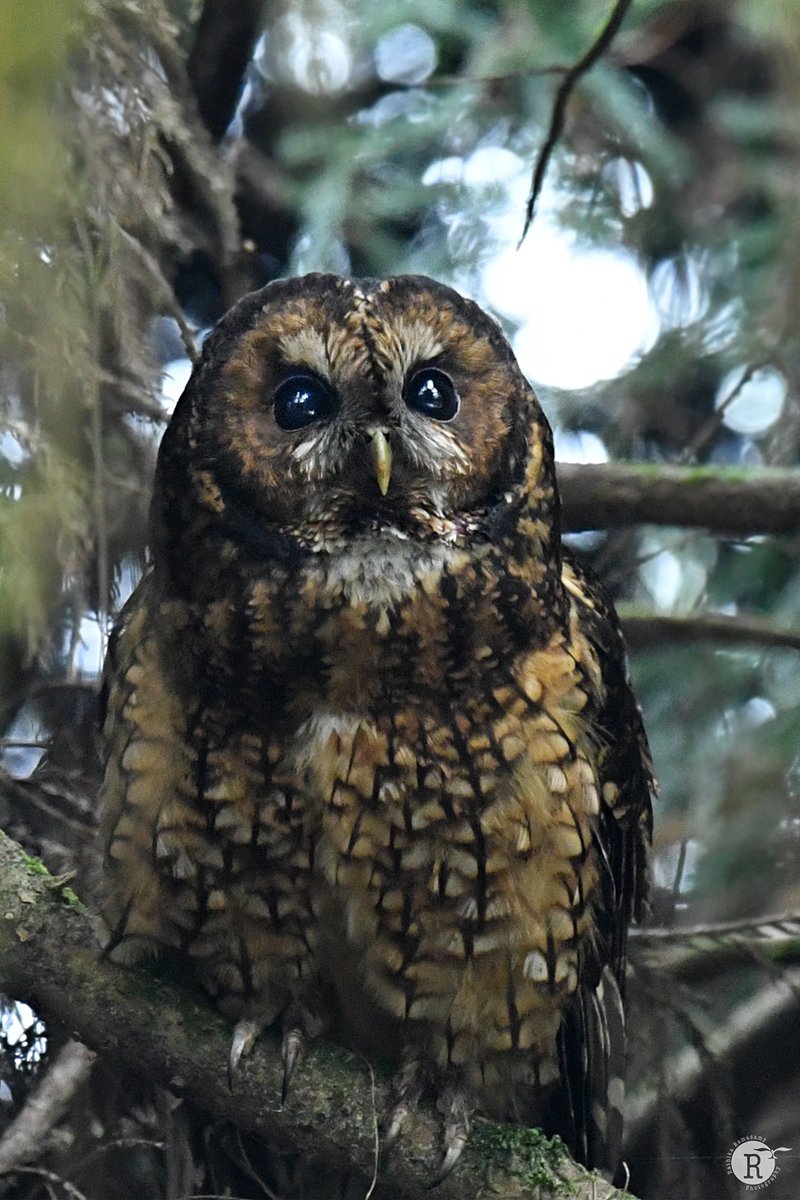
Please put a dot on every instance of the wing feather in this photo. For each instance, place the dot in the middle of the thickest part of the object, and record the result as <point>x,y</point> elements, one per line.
<point>592,1038</point>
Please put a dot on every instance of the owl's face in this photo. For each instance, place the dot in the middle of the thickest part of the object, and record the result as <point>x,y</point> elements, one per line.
<point>326,409</point>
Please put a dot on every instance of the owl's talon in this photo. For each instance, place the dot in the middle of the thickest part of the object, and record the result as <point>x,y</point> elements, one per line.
<point>397,1120</point>
<point>294,1044</point>
<point>451,1157</point>
<point>456,1131</point>
<point>244,1038</point>
<point>406,1088</point>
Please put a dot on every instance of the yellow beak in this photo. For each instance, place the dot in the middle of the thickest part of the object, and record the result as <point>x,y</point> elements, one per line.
<point>382,460</point>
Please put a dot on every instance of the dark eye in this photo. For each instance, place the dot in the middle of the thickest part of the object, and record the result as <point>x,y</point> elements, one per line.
<point>301,400</point>
<point>433,394</point>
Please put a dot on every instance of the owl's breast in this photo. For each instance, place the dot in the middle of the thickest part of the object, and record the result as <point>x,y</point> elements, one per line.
<point>458,845</point>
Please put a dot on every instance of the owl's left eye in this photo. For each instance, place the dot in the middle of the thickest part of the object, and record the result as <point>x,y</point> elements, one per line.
<point>432,393</point>
<point>302,399</point>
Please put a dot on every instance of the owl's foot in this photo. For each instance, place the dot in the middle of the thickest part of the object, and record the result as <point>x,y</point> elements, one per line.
<point>455,1107</point>
<point>299,1024</point>
<point>245,1034</point>
<point>407,1086</point>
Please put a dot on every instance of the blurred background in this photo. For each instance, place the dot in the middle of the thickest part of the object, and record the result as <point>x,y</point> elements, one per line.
<point>160,159</point>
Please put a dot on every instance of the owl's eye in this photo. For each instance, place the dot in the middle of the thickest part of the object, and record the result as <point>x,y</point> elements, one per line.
<point>302,399</point>
<point>432,393</point>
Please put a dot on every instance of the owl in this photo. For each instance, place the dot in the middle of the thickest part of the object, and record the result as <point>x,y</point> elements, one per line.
<point>373,762</point>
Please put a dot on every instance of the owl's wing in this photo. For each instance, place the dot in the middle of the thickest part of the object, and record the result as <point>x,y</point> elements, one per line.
<point>147,767</point>
<point>592,1041</point>
<point>625,769</point>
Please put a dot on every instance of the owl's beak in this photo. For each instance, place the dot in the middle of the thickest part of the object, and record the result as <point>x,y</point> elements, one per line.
<point>382,460</point>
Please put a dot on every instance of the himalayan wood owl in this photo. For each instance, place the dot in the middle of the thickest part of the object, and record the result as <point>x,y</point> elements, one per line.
<point>373,760</point>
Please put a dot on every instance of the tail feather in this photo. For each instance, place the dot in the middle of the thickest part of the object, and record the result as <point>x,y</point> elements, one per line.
<point>592,1060</point>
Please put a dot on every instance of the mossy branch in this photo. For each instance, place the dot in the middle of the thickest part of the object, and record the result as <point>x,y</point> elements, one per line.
<point>723,499</point>
<point>165,1032</point>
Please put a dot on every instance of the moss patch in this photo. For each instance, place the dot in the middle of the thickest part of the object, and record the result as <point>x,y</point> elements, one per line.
<point>57,885</point>
<point>536,1160</point>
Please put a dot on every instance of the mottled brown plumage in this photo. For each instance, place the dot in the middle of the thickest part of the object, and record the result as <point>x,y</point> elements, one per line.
<point>374,764</point>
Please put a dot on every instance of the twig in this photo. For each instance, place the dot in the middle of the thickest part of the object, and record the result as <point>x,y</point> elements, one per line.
<point>698,953</point>
<point>558,114</point>
<point>502,76</point>
<point>24,1138</point>
<point>51,1177</point>
<point>251,1171</point>
<point>131,1143</point>
<point>376,1129</point>
<point>19,744</point>
<point>164,289</point>
<point>707,430</point>
<point>100,517</point>
<point>714,929</point>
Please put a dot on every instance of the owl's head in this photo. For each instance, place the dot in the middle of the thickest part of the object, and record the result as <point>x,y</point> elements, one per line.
<point>328,409</point>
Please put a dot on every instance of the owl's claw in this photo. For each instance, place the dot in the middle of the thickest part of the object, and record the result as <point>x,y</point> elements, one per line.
<point>397,1119</point>
<point>456,1131</point>
<point>406,1088</point>
<point>244,1038</point>
<point>451,1157</point>
<point>292,1050</point>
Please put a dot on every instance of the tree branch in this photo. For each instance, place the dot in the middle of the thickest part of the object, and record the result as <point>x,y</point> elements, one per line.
<point>25,1137</point>
<point>745,1043</point>
<point>724,499</point>
<point>170,1035</point>
<point>223,44</point>
<point>649,629</point>
<point>559,111</point>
